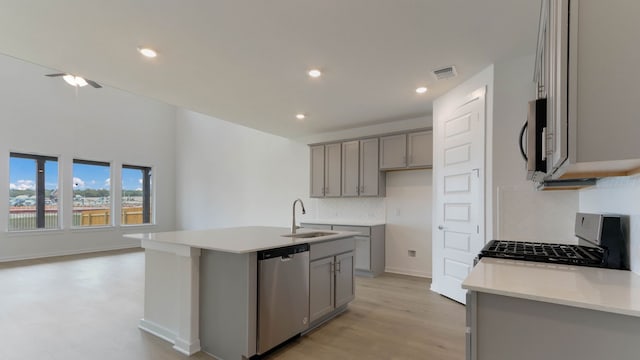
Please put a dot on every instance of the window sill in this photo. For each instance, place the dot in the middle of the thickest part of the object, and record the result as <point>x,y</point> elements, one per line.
<point>34,232</point>
<point>92,228</point>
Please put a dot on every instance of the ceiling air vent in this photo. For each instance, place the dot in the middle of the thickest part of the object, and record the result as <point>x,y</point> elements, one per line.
<point>445,73</point>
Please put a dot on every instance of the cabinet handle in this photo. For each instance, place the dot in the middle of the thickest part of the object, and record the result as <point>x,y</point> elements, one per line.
<point>332,268</point>
<point>361,188</point>
<point>339,269</point>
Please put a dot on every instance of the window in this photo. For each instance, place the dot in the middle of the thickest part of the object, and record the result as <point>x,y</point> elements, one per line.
<point>91,193</point>
<point>33,192</point>
<point>136,195</point>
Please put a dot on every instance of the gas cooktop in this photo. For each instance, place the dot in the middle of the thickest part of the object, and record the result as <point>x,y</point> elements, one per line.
<point>543,252</point>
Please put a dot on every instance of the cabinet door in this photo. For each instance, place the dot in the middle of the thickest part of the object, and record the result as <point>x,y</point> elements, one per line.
<point>317,171</point>
<point>321,288</point>
<point>332,169</point>
<point>369,168</point>
<point>363,253</point>
<point>345,289</point>
<point>393,152</point>
<point>350,168</point>
<point>420,149</point>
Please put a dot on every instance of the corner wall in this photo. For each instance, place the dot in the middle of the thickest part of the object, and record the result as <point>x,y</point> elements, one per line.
<point>617,195</point>
<point>43,115</point>
<point>519,211</point>
<point>230,175</point>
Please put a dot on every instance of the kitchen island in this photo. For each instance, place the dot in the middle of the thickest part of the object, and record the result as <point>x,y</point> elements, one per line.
<point>529,310</point>
<point>201,286</point>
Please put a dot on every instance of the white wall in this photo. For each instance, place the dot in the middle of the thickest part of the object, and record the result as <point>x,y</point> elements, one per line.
<point>45,116</point>
<point>519,211</point>
<point>408,217</point>
<point>230,175</point>
<point>617,196</point>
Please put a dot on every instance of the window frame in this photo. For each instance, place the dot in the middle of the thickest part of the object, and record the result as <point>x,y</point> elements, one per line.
<point>148,212</point>
<point>108,164</point>
<point>40,190</point>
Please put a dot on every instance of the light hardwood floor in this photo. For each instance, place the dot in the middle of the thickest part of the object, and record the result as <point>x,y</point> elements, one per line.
<point>88,307</point>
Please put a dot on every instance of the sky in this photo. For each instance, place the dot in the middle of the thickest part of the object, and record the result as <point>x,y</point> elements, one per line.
<point>22,176</point>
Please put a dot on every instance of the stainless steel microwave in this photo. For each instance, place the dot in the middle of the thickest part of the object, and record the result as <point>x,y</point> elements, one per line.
<point>532,140</point>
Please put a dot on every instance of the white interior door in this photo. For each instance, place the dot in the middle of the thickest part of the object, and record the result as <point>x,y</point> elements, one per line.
<point>458,233</point>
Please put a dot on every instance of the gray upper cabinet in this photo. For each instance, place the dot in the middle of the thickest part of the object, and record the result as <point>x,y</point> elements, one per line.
<point>393,152</point>
<point>360,173</point>
<point>412,150</point>
<point>588,72</point>
<point>350,168</point>
<point>355,168</point>
<point>332,161</point>
<point>317,171</point>
<point>420,149</point>
<point>325,170</point>
<point>372,181</point>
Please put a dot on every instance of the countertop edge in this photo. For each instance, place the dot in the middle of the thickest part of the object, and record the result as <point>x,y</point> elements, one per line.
<point>475,282</point>
<point>552,300</point>
<point>146,237</point>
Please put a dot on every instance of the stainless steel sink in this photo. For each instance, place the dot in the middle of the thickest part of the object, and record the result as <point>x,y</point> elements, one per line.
<point>313,234</point>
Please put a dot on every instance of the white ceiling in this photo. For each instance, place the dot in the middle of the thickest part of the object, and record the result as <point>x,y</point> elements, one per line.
<point>245,61</point>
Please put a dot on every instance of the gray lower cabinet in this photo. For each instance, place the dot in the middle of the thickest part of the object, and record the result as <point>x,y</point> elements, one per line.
<point>506,328</point>
<point>331,279</point>
<point>370,246</point>
<point>321,288</point>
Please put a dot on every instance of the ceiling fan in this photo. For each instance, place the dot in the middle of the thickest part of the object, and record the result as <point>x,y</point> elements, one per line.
<point>76,81</point>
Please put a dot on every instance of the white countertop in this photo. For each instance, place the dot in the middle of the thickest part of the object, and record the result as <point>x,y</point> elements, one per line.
<point>615,291</point>
<point>345,222</point>
<point>239,240</point>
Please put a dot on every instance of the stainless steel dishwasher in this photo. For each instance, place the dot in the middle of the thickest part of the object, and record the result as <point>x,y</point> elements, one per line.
<point>283,295</point>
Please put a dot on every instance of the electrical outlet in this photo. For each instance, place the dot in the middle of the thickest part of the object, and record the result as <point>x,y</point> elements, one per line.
<point>412,253</point>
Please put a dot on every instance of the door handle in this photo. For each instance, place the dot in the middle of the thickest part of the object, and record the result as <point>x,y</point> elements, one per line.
<point>440,227</point>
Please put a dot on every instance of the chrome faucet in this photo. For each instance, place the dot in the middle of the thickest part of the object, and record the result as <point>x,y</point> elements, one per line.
<point>293,224</point>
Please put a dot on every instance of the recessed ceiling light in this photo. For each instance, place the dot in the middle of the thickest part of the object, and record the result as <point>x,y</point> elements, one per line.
<point>315,73</point>
<point>76,81</point>
<point>421,90</point>
<point>300,116</point>
<point>150,53</point>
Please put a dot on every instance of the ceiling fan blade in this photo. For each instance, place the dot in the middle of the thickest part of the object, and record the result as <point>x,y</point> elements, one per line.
<point>93,83</point>
<point>54,75</point>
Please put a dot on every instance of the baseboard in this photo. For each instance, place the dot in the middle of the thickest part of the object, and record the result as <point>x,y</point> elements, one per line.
<point>407,272</point>
<point>67,253</point>
<point>158,330</point>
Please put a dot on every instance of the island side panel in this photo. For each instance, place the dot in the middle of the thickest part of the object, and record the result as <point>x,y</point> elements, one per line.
<point>512,328</point>
<point>228,304</point>
<point>161,315</point>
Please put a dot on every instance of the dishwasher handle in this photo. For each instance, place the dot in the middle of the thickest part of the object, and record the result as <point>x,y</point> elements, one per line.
<point>284,253</point>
